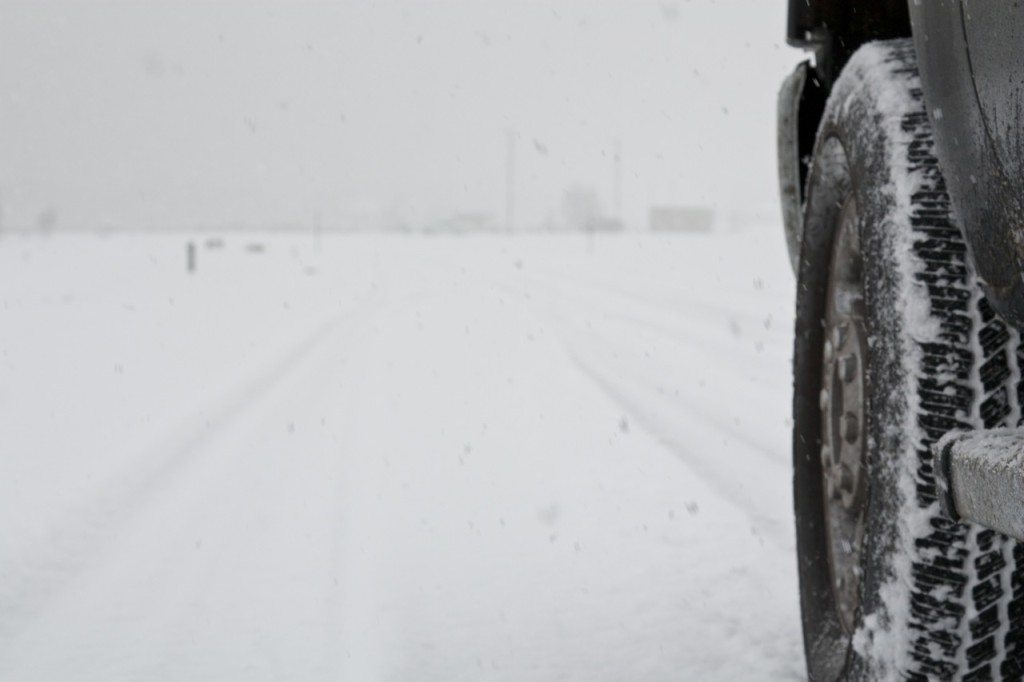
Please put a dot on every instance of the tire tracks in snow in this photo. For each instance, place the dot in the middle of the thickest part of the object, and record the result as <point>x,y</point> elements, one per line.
<point>704,336</point>
<point>727,470</point>
<point>710,313</point>
<point>740,366</point>
<point>723,474</point>
<point>59,554</point>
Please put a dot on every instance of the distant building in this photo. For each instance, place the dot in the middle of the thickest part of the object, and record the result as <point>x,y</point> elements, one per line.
<point>47,220</point>
<point>603,224</point>
<point>748,217</point>
<point>580,208</point>
<point>468,222</point>
<point>681,219</point>
<point>581,212</point>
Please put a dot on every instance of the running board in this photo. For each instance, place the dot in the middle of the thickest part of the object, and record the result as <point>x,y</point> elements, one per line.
<point>979,476</point>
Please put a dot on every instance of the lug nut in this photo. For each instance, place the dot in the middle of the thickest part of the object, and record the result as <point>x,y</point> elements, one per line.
<point>845,478</point>
<point>847,365</point>
<point>850,427</point>
<point>840,333</point>
<point>826,457</point>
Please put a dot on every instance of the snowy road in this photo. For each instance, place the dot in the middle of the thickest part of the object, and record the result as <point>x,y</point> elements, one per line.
<point>368,458</point>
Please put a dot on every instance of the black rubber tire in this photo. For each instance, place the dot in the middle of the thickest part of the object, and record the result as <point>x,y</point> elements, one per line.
<point>939,600</point>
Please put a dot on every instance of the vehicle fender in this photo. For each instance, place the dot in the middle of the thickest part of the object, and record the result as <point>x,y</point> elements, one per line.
<point>973,81</point>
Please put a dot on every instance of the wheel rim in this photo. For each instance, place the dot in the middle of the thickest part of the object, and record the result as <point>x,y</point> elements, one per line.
<point>842,418</point>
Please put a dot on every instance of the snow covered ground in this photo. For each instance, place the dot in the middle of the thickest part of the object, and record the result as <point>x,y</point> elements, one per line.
<point>386,458</point>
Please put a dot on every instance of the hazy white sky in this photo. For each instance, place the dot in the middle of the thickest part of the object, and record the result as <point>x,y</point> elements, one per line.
<point>184,114</point>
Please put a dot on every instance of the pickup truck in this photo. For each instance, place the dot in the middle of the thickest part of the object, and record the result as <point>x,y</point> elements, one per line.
<point>901,167</point>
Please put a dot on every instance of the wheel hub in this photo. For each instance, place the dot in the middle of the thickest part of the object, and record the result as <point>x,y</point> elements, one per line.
<point>842,416</point>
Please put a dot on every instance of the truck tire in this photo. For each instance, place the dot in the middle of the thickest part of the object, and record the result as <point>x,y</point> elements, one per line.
<point>895,345</point>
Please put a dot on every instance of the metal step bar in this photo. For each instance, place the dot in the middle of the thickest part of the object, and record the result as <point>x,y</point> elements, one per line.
<point>980,478</point>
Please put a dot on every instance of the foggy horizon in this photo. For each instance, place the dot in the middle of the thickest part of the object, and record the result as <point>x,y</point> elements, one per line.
<point>348,116</point>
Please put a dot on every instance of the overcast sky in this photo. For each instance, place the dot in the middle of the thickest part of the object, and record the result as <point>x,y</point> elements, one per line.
<point>177,115</point>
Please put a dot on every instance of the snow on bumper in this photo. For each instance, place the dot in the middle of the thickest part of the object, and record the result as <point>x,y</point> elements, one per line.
<point>980,478</point>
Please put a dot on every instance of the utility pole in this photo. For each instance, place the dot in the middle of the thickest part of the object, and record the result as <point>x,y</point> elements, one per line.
<point>617,180</point>
<point>510,178</point>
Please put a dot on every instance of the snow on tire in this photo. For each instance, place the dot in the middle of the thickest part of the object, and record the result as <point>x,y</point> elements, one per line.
<point>931,599</point>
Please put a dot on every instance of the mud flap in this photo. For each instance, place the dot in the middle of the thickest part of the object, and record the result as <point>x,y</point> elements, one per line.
<point>789,159</point>
<point>800,105</point>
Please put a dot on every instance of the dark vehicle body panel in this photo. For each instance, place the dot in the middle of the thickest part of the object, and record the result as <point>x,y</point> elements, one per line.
<point>972,70</point>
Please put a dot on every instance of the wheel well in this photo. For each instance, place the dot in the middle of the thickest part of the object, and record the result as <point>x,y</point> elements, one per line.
<point>834,29</point>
